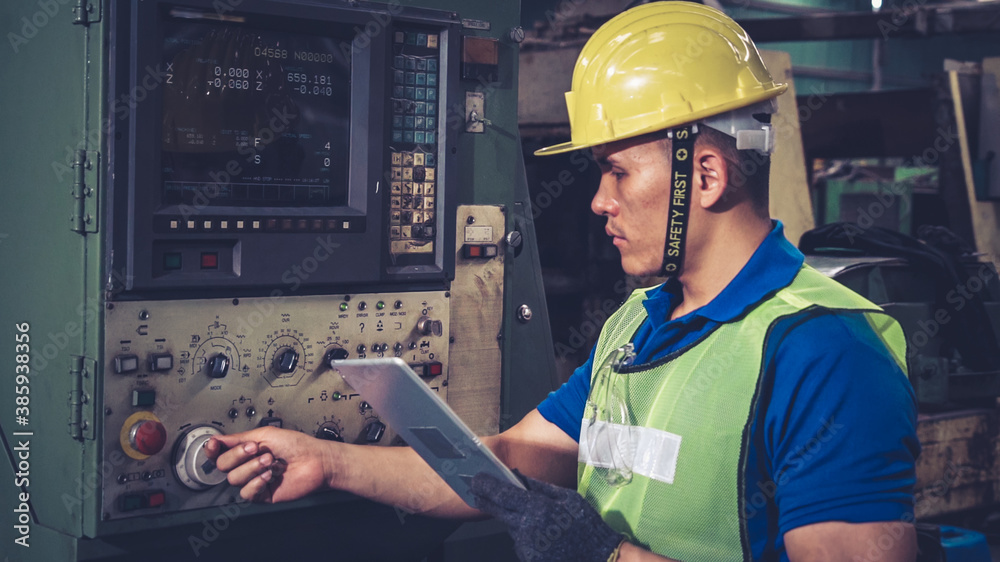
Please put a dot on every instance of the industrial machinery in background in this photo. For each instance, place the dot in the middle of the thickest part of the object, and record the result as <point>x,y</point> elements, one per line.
<point>925,176</point>
<point>210,201</point>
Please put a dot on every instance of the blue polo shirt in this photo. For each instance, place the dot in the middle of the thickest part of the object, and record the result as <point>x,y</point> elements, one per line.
<point>834,436</point>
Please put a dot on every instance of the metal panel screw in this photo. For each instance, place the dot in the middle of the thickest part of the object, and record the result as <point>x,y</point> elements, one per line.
<point>524,313</point>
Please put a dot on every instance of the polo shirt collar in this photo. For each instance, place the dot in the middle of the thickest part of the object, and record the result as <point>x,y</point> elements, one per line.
<point>773,266</point>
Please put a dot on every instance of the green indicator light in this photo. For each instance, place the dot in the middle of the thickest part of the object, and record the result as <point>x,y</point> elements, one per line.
<point>343,307</point>
<point>336,395</point>
<point>380,305</point>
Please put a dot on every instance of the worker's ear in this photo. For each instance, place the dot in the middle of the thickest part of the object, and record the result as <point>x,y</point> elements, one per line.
<point>711,177</point>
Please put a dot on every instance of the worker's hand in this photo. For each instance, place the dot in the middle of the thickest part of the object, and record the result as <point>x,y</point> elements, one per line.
<point>547,522</point>
<point>272,465</point>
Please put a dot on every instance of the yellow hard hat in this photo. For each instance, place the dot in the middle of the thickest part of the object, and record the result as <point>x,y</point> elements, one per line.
<point>660,65</point>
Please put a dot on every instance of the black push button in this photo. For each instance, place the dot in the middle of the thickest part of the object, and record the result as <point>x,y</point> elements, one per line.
<point>143,398</point>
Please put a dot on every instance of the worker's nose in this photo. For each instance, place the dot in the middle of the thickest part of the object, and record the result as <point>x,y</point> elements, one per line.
<point>604,202</point>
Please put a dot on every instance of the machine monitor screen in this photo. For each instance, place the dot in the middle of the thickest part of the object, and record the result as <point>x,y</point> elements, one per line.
<point>253,117</point>
<point>268,129</point>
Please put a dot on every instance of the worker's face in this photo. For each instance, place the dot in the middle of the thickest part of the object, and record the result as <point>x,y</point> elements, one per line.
<point>633,195</point>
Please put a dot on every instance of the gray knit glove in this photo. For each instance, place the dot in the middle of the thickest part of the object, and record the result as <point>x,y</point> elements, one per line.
<point>547,522</point>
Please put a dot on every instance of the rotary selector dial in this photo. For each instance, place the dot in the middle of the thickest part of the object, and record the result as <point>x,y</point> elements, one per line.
<point>330,431</point>
<point>218,366</point>
<point>286,358</point>
<point>286,361</point>
<point>216,357</point>
<point>191,464</point>
<point>335,353</point>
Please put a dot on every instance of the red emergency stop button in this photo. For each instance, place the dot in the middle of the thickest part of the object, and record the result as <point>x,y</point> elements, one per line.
<point>148,437</point>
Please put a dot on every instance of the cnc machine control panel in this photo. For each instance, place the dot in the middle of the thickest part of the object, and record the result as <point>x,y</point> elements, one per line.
<point>180,372</point>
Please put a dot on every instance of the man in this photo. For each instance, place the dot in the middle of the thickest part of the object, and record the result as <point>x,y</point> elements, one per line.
<point>761,411</point>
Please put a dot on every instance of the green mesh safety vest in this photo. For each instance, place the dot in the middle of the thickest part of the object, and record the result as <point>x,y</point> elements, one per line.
<point>690,415</point>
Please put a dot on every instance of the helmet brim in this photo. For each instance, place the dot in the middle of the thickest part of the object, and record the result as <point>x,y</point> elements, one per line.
<point>769,92</point>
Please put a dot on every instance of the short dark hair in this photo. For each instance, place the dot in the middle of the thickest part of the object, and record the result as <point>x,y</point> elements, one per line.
<point>747,169</point>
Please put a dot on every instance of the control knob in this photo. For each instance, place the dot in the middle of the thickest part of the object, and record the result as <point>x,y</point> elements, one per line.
<point>218,366</point>
<point>191,464</point>
<point>286,361</point>
<point>329,432</point>
<point>335,354</point>
<point>373,432</point>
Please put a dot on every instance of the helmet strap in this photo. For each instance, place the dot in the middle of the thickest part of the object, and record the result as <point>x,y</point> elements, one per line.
<point>682,176</point>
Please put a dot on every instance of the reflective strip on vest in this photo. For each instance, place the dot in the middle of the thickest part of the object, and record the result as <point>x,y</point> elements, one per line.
<point>688,502</point>
<point>602,444</point>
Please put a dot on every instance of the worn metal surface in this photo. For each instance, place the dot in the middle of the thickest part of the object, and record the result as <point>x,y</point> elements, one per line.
<point>477,303</point>
<point>959,464</point>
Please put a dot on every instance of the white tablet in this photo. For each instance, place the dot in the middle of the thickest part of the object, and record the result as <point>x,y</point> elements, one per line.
<point>424,421</point>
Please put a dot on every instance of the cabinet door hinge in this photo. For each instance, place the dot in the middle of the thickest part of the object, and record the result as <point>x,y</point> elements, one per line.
<point>83,371</point>
<point>86,165</point>
<point>87,12</point>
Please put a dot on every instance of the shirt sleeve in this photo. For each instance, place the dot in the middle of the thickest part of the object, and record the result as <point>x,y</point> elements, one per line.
<point>840,429</point>
<point>565,405</point>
